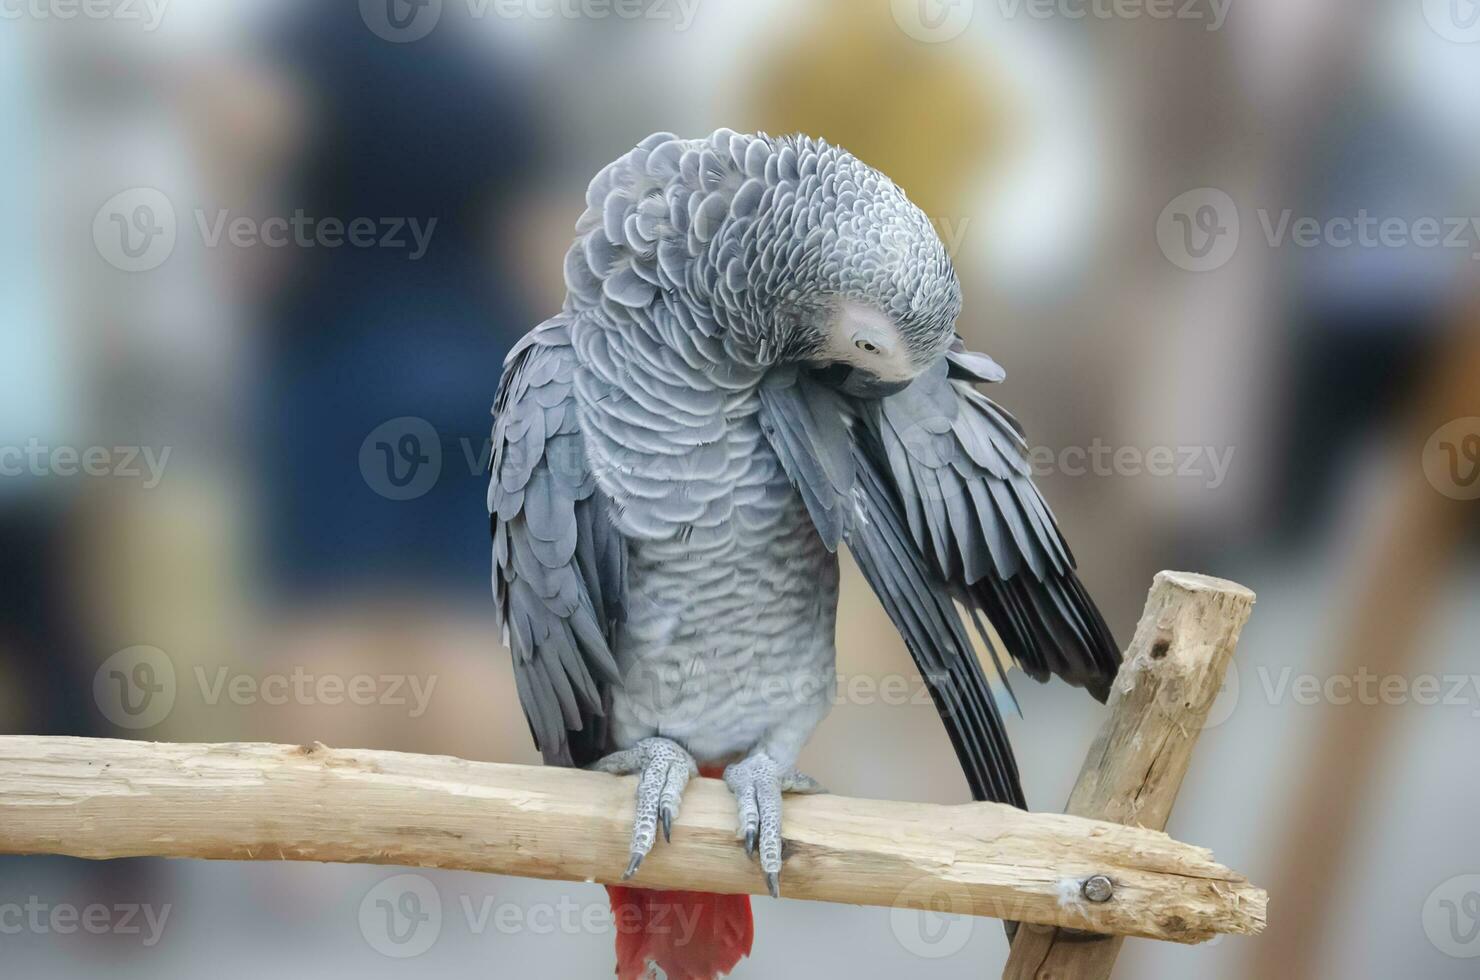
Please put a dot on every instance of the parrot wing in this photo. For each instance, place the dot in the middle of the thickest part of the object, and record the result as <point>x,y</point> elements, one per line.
<point>960,467</point>
<point>559,564</point>
<point>931,491</point>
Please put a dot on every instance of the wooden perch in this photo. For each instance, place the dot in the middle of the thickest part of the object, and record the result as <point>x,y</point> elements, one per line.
<point>102,798</point>
<point>1159,705</point>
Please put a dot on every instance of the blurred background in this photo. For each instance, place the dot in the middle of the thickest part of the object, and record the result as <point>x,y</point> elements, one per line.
<point>260,261</point>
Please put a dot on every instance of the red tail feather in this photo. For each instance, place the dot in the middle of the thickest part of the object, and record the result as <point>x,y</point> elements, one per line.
<point>691,935</point>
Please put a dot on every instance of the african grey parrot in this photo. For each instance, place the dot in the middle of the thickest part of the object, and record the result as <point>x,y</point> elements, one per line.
<point>756,363</point>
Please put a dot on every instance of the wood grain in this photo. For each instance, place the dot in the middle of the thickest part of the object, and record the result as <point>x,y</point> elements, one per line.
<point>1171,676</point>
<point>103,798</point>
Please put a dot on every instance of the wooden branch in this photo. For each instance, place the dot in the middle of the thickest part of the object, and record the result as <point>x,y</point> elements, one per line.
<point>1171,675</point>
<point>101,798</point>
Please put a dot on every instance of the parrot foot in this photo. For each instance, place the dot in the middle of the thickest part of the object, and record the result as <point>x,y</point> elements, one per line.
<point>665,769</point>
<point>758,783</point>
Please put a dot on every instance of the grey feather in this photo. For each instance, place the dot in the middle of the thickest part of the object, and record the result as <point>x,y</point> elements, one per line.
<point>555,562</point>
<point>669,413</point>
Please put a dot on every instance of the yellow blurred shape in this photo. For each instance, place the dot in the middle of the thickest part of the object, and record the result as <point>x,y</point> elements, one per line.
<point>925,114</point>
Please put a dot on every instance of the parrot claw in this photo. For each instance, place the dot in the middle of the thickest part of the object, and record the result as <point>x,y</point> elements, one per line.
<point>758,783</point>
<point>664,769</point>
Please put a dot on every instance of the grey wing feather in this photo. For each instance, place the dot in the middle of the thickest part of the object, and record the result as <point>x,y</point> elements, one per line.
<point>559,565</point>
<point>807,424</point>
<point>958,456</point>
<point>938,507</point>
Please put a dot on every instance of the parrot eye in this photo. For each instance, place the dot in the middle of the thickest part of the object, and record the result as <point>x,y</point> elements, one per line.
<point>867,346</point>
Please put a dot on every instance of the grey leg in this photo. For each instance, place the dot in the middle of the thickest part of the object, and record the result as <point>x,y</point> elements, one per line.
<point>758,783</point>
<point>665,769</point>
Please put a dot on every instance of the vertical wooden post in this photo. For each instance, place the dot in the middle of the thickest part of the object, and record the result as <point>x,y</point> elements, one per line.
<point>1171,675</point>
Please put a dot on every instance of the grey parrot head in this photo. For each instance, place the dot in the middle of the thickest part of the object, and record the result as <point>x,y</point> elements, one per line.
<point>787,249</point>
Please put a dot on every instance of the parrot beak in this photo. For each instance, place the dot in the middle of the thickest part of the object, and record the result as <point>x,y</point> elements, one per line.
<point>858,383</point>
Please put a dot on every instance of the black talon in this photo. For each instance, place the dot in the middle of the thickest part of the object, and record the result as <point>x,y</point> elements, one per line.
<point>750,843</point>
<point>773,883</point>
<point>665,817</point>
<point>632,866</point>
